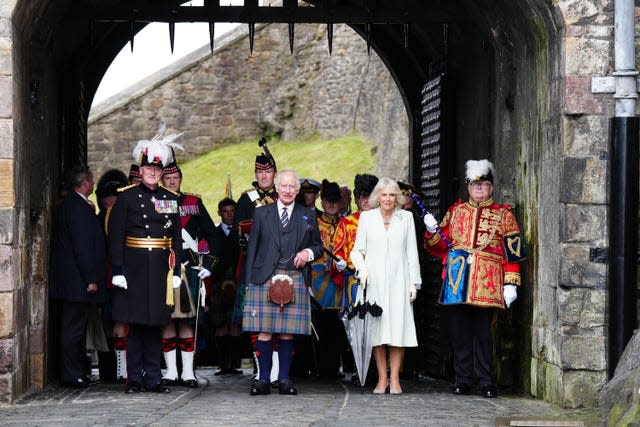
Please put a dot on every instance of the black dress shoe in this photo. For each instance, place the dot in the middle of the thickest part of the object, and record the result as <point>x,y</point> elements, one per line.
<point>286,387</point>
<point>160,389</point>
<point>233,371</point>
<point>489,391</point>
<point>221,371</point>
<point>460,389</point>
<point>260,388</point>
<point>133,387</point>
<point>190,383</point>
<point>81,382</point>
<point>168,382</point>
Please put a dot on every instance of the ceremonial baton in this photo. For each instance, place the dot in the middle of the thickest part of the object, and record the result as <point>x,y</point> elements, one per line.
<point>424,210</point>
<point>336,258</point>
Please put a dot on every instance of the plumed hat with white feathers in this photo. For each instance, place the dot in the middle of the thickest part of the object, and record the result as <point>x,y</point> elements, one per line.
<point>158,151</point>
<point>480,170</point>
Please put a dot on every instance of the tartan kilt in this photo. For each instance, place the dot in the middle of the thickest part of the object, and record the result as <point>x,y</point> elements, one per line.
<point>260,315</point>
<point>189,289</point>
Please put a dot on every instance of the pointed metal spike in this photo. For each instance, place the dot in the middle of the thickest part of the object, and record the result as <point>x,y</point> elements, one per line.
<point>367,32</point>
<point>131,33</point>
<point>252,33</point>
<point>172,34</point>
<point>291,35</point>
<point>212,33</point>
<point>406,36</point>
<point>330,36</point>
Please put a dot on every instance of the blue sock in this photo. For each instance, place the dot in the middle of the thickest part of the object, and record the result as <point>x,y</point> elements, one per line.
<point>264,350</point>
<point>285,357</point>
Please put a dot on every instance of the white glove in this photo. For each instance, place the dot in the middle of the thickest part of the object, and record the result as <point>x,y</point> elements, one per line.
<point>413,293</point>
<point>341,265</point>
<point>120,281</point>
<point>510,294</point>
<point>176,282</point>
<point>430,222</point>
<point>363,277</point>
<point>204,273</point>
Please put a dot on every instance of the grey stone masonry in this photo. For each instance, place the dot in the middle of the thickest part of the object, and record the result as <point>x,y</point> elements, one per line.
<point>233,95</point>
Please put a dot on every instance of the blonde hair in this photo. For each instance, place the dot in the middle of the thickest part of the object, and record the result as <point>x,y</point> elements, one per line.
<point>385,182</point>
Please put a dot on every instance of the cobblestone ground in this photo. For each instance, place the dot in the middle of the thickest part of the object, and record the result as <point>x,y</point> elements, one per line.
<point>225,401</point>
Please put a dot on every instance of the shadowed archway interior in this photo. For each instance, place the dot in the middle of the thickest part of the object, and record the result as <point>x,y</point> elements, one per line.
<point>499,57</point>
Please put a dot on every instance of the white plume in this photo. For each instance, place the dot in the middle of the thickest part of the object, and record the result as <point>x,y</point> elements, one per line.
<point>475,169</point>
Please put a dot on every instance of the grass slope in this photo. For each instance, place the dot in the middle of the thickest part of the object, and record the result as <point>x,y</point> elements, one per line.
<point>337,160</point>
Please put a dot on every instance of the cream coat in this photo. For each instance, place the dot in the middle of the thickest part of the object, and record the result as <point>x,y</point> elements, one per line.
<point>390,258</point>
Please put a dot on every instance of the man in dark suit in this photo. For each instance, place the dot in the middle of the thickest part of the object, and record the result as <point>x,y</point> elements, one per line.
<point>284,239</point>
<point>77,273</point>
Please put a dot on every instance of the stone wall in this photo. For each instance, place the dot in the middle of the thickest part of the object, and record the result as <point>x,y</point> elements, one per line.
<point>233,95</point>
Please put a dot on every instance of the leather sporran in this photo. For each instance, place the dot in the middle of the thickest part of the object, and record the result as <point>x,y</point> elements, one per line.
<point>281,290</point>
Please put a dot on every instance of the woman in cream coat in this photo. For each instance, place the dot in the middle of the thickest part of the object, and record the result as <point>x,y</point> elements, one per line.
<point>386,259</point>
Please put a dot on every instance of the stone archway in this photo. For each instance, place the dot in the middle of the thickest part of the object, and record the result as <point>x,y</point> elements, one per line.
<point>510,101</point>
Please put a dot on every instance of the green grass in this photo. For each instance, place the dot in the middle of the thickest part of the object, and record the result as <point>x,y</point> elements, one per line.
<point>337,160</point>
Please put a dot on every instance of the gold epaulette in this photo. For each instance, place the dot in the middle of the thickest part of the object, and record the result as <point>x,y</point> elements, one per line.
<point>126,187</point>
<point>248,189</point>
<point>191,194</point>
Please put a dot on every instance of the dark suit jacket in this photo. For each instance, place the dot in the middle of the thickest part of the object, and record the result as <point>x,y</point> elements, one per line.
<point>263,251</point>
<point>78,254</point>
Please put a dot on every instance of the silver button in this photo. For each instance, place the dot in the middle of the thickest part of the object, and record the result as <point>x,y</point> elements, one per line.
<point>142,206</point>
<point>144,216</point>
<point>146,226</point>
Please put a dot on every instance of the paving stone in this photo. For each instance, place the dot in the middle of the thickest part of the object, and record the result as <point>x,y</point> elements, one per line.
<point>225,401</point>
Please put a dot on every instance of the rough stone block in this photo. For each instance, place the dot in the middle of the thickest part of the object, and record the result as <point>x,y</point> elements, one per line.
<point>581,388</point>
<point>584,180</point>
<point>576,10</point>
<point>6,139</point>
<point>577,271</point>
<point>586,135</point>
<point>6,388</point>
<point>37,371</point>
<point>546,381</point>
<point>6,355</point>
<point>6,268</point>
<point>6,97</point>
<point>584,352</point>
<point>7,192</point>
<point>7,217</point>
<point>6,314</point>
<point>578,98</point>
<point>583,223</point>
<point>544,344</point>
<point>570,303</point>
<point>587,56</point>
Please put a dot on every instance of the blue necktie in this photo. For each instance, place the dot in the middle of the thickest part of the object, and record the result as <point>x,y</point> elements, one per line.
<point>284,218</point>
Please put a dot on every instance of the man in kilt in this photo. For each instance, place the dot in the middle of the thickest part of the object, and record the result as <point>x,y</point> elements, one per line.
<point>284,239</point>
<point>144,244</point>
<point>198,239</point>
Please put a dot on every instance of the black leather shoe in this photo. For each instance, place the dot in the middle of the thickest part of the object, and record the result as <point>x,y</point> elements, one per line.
<point>133,387</point>
<point>260,388</point>
<point>168,382</point>
<point>233,371</point>
<point>81,382</point>
<point>460,389</point>
<point>221,371</point>
<point>160,389</point>
<point>286,387</point>
<point>489,391</point>
<point>190,383</point>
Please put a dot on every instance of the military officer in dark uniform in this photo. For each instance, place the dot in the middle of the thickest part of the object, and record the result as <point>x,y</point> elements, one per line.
<point>198,241</point>
<point>144,246</point>
<point>262,193</point>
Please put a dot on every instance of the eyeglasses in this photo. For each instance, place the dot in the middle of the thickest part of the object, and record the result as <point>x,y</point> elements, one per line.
<point>480,184</point>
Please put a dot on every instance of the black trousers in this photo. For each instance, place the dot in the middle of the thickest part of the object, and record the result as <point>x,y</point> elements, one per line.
<point>471,336</point>
<point>144,351</point>
<point>73,327</point>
